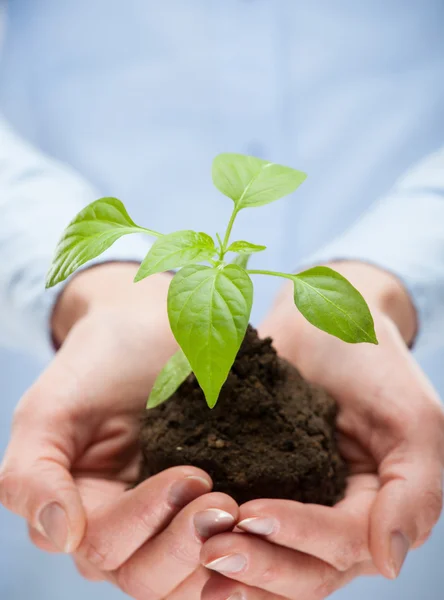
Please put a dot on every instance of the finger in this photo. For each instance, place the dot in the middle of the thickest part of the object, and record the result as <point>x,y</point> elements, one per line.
<point>222,588</point>
<point>276,569</point>
<point>166,561</point>
<point>87,570</point>
<point>192,587</point>
<point>41,541</point>
<point>35,479</point>
<point>118,528</point>
<point>338,535</point>
<point>407,507</point>
<point>96,493</point>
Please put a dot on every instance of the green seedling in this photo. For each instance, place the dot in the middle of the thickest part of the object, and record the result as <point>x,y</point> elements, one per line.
<point>209,305</point>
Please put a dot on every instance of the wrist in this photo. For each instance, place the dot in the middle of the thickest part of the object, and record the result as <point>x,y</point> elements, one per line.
<point>106,286</point>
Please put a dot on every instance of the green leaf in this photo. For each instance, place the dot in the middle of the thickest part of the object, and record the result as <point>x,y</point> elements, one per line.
<point>169,379</point>
<point>241,260</point>
<point>330,302</point>
<point>245,247</point>
<point>209,310</point>
<point>176,250</point>
<point>251,181</point>
<point>89,234</point>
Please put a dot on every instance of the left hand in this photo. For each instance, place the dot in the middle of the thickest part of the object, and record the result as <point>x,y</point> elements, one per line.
<point>74,446</point>
<point>141,542</point>
<point>391,432</point>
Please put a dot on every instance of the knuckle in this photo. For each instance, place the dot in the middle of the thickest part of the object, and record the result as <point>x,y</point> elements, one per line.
<point>351,554</point>
<point>128,580</point>
<point>95,554</point>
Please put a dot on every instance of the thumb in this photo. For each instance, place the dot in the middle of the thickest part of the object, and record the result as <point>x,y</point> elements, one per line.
<point>35,479</point>
<point>407,506</point>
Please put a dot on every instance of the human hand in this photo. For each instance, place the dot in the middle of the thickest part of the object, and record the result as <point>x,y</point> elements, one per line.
<point>140,542</point>
<point>73,450</point>
<point>391,432</point>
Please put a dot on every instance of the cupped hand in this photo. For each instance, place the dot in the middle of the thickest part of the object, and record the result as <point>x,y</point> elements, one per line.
<point>143,541</point>
<point>391,433</point>
<point>73,451</point>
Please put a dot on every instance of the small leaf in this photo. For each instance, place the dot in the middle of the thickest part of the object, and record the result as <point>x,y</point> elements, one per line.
<point>176,250</point>
<point>245,247</point>
<point>251,181</point>
<point>169,379</point>
<point>209,310</point>
<point>241,260</point>
<point>330,302</point>
<point>89,234</point>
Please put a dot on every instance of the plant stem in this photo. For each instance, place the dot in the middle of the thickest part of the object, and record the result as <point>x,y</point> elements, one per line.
<point>228,232</point>
<point>272,273</point>
<point>221,251</point>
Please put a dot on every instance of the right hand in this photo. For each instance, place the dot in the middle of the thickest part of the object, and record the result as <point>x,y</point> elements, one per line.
<point>74,444</point>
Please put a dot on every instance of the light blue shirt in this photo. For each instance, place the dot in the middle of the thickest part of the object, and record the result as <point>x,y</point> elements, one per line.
<point>135,98</point>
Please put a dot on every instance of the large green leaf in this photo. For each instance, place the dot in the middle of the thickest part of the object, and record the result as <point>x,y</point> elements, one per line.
<point>330,302</point>
<point>251,181</point>
<point>89,234</point>
<point>169,379</point>
<point>242,247</point>
<point>209,310</point>
<point>176,250</point>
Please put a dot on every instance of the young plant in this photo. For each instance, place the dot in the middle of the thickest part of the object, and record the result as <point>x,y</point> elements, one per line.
<point>209,305</point>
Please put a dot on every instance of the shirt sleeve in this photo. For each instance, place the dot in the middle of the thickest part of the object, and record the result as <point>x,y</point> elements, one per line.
<point>403,233</point>
<point>38,198</point>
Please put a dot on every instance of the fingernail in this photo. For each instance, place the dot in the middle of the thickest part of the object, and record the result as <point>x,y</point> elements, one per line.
<point>212,521</point>
<point>232,563</point>
<point>399,549</point>
<point>236,596</point>
<point>188,489</point>
<point>258,525</point>
<point>54,523</point>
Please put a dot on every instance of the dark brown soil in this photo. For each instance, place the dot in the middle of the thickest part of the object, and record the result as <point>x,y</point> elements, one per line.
<point>271,434</point>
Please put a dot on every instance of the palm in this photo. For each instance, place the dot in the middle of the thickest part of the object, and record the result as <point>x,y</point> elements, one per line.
<point>111,362</point>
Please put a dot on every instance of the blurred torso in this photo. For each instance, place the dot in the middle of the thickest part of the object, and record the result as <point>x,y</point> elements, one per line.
<point>139,95</point>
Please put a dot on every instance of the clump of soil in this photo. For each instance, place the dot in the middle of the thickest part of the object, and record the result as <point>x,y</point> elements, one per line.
<point>271,434</point>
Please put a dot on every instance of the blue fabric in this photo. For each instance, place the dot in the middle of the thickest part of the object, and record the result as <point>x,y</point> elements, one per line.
<point>133,99</point>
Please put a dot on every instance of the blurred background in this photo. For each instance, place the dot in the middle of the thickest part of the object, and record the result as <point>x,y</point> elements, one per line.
<point>351,92</point>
